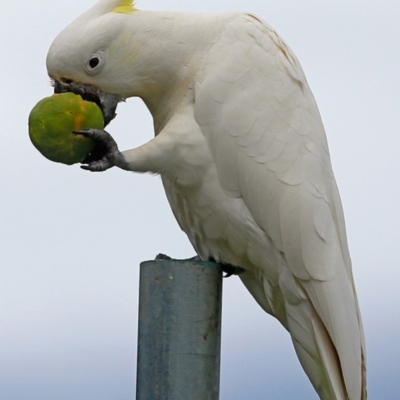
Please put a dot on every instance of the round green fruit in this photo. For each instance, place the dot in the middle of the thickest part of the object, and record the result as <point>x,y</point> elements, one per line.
<point>52,121</point>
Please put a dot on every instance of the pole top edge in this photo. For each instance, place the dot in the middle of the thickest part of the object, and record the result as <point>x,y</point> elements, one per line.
<point>191,262</point>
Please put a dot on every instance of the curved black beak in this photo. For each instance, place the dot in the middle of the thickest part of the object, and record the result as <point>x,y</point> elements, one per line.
<point>108,102</point>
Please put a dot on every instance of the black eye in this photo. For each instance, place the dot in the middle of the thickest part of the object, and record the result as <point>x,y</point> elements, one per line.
<point>94,62</point>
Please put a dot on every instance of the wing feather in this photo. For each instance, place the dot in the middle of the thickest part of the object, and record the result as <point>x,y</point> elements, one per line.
<point>264,130</point>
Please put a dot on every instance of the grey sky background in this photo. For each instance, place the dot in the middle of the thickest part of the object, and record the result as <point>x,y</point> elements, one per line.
<point>71,241</point>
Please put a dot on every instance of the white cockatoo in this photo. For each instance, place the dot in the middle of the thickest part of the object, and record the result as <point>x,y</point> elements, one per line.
<point>243,158</point>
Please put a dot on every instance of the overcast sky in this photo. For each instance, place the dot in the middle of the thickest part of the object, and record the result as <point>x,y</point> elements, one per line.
<point>71,241</point>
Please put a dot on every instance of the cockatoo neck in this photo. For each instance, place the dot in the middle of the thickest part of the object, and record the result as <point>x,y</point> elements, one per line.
<point>170,56</point>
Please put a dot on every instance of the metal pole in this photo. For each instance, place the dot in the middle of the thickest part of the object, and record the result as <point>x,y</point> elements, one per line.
<point>179,336</point>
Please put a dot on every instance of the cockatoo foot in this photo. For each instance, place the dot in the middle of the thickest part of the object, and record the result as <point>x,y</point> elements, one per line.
<point>105,154</point>
<point>161,256</point>
<point>231,270</point>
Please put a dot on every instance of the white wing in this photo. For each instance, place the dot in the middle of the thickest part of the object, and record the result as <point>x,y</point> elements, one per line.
<point>264,130</point>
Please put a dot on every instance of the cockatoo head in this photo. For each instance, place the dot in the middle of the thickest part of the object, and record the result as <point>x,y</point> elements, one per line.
<point>91,56</point>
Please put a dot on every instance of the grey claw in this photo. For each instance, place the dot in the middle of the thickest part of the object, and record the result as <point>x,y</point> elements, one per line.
<point>105,154</point>
<point>97,166</point>
<point>99,135</point>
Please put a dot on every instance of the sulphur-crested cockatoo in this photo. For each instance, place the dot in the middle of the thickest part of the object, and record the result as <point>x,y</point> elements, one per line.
<point>243,157</point>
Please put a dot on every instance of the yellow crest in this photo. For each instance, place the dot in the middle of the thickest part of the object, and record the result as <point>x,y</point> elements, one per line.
<point>125,7</point>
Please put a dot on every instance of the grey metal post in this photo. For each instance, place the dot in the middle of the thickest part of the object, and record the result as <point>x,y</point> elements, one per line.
<point>179,330</point>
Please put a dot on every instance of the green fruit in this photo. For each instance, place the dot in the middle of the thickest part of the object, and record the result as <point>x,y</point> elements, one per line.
<point>52,121</point>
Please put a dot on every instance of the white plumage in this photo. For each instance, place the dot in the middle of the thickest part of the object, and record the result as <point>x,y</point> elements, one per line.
<point>241,149</point>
